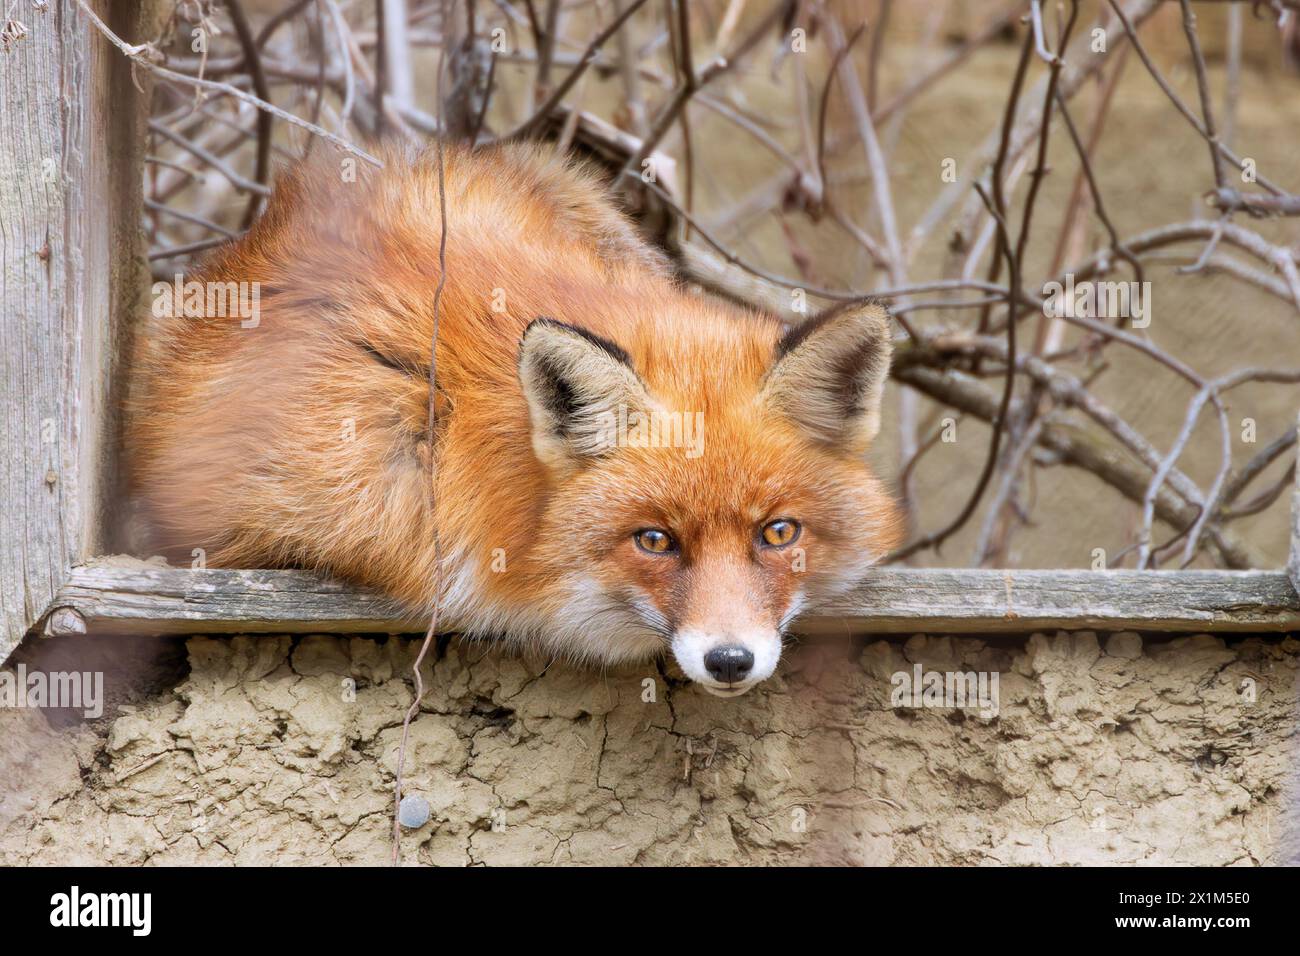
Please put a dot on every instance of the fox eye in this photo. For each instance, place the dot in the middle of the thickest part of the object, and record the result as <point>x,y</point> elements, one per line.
<point>655,541</point>
<point>779,533</point>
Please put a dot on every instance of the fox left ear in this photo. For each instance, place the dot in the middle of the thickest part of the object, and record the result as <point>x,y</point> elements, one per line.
<point>829,375</point>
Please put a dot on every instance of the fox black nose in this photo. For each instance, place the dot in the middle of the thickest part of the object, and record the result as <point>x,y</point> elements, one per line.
<point>729,663</point>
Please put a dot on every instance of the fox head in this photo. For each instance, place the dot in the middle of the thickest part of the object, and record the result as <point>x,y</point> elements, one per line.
<point>703,495</point>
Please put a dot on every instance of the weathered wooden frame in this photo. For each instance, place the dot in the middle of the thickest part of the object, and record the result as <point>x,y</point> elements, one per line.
<point>135,597</point>
<point>71,147</point>
<point>74,271</point>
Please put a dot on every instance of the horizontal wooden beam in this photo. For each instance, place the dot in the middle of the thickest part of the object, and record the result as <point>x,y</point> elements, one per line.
<point>908,600</point>
<point>125,596</point>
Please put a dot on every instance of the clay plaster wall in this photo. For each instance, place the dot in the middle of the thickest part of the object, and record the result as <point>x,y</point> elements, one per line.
<point>1106,749</point>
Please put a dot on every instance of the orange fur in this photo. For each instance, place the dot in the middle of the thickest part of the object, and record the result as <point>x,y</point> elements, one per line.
<point>240,441</point>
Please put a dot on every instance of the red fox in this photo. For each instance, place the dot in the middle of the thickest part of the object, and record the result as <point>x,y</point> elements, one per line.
<point>622,466</point>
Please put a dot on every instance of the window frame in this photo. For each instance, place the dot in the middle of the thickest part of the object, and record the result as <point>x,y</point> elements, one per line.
<point>73,208</point>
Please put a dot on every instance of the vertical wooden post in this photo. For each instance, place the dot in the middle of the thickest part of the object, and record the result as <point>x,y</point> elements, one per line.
<point>70,156</point>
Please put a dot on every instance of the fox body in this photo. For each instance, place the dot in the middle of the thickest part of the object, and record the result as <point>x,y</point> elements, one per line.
<point>620,466</point>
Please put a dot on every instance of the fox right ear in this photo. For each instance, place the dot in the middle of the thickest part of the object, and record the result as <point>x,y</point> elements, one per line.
<point>829,374</point>
<point>575,382</point>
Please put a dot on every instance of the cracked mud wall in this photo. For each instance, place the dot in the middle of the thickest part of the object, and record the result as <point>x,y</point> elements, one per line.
<point>252,750</point>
